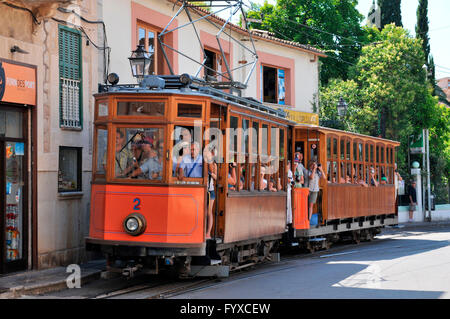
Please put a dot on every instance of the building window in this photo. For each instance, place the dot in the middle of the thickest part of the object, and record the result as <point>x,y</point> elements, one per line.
<point>215,66</point>
<point>69,172</point>
<point>70,78</point>
<point>274,85</point>
<point>148,37</point>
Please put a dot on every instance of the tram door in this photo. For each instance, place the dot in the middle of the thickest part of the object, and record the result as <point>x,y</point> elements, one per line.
<point>217,125</point>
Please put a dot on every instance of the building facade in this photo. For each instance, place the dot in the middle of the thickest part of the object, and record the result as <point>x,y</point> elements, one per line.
<point>286,74</point>
<point>54,55</point>
<point>48,71</point>
<point>444,84</point>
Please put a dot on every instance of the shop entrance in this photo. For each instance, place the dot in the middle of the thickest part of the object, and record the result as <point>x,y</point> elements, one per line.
<point>13,188</point>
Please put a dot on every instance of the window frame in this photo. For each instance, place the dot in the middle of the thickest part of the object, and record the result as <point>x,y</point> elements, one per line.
<point>147,27</point>
<point>332,158</point>
<point>79,173</point>
<point>111,170</point>
<point>277,84</point>
<point>98,176</point>
<point>137,100</point>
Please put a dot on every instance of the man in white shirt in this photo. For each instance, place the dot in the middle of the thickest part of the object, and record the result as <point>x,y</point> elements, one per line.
<point>191,165</point>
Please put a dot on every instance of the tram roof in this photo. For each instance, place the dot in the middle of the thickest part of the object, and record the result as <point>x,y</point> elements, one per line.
<point>333,130</point>
<point>173,85</point>
<point>176,87</point>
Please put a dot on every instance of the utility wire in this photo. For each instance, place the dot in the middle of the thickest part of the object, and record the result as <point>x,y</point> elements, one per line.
<point>340,36</point>
<point>24,9</point>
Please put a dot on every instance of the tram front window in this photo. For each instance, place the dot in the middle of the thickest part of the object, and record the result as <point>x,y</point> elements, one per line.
<point>139,153</point>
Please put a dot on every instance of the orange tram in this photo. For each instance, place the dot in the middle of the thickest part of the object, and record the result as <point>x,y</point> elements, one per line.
<point>149,209</point>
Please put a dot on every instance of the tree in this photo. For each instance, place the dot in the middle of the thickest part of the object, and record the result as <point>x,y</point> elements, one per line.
<point>390,12</point>
<point>331,25</point>
<point>422,33</point>
<point>387,92</point>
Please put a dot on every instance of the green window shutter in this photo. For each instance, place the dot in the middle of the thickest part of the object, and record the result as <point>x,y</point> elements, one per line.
<point>70,78</point>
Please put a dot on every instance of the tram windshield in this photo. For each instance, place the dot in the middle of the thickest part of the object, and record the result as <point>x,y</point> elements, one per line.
<point>139,153</point>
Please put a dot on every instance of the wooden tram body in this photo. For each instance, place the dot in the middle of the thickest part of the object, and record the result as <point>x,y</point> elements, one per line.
<point>249,223</point>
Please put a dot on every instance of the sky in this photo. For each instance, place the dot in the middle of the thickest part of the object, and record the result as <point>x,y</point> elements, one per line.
<point>439,27</point>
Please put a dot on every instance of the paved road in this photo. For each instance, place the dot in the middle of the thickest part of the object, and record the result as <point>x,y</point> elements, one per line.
<point>401,263</point>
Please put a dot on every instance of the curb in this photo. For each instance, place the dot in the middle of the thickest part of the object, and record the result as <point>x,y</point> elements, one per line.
<point>48,286</point>
<point>419,224</point>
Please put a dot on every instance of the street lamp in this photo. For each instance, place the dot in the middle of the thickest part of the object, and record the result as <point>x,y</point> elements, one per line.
<point>342,112</point>
<point>342,107</point>
<point>140,63</point>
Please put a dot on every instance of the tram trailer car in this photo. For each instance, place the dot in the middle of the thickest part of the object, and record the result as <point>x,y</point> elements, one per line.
<point>152,219</point>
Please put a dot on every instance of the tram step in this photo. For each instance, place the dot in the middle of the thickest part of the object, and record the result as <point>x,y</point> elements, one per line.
<point>317,239</point>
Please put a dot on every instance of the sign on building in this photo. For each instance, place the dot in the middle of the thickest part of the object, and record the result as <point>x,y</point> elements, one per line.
<point>17,83</point>
<point>303,117</point>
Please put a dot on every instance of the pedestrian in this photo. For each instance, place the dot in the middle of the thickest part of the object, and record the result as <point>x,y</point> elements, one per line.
<point>412,199</point>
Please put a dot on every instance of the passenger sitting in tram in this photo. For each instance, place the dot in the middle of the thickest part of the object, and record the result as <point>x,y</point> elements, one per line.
<point>140,156</point>
<point>262,180</point>
<point>123,156</point>
<point>231,177</point>
<point>242,178</point>
<point>383,180</point>
<point>272,185</point>
<point>373,180</point>
<point>348,179</point>
<point>151,168</point>
<point>160,150</point>
<point>191,165</point>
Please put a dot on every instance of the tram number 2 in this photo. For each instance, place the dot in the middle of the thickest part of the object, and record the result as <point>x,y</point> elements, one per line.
<point>137,204</point>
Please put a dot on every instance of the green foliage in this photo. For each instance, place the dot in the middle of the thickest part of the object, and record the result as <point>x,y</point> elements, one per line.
<point>301,20</point>
<point>388,83</point>
<point>390,12</point>
<point>440,153</point>
<point>422,33</point>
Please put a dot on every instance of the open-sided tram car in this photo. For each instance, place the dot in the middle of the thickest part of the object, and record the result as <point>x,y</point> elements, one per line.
<point>160,221</point>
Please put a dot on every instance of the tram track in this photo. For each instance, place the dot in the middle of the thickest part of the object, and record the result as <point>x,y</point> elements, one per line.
<point>173,288</point>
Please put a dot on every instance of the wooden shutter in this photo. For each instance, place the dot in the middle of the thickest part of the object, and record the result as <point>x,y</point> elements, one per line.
<point>70,78</point>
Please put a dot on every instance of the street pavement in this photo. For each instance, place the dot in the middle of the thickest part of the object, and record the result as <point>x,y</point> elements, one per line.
<point>411,261</point>
<point>402,263</point>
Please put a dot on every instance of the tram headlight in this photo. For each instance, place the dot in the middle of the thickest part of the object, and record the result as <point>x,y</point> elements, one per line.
<point>134,224</point>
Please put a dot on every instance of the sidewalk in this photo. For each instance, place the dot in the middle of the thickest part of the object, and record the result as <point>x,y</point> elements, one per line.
<point>421,224</point>
<point>47,280</point>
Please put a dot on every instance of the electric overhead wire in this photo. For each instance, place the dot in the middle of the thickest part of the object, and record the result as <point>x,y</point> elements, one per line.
<point>106,49</point>
<point>337,35</point>
<point>36,21</point>
<point>395,78</point>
